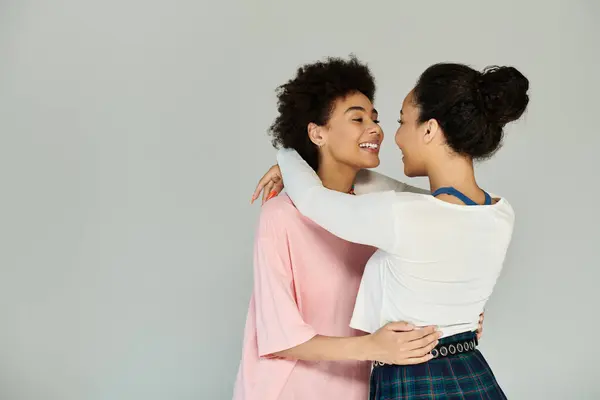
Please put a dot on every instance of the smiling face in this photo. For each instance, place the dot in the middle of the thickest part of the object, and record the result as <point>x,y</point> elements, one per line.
<point>352,136</point>
<point>412,138</point>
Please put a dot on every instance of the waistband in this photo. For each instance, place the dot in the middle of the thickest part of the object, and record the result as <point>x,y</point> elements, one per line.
<point>449,346</point>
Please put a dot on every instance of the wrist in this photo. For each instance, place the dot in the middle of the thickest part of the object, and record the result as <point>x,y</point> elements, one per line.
<point>365,349</point>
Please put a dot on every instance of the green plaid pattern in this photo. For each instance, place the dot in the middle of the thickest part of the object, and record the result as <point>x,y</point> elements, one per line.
<point>464,376</point>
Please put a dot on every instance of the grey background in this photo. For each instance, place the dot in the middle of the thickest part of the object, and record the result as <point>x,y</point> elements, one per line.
<point>132,134</point>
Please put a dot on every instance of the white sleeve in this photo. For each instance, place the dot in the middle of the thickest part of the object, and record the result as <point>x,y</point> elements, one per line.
<point>369,181</point>
<point>367,219</point>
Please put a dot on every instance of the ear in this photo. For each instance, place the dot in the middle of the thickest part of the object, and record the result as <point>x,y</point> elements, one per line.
<point>432,130</point>
<point>316,134</point>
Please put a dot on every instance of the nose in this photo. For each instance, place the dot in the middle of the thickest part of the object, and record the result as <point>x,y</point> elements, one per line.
<point>375,130</point>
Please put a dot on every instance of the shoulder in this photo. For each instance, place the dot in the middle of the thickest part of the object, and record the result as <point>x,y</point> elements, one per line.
<point>277,207</point>
<point>278,213</point>
<point>411,199</point>
<point>504,208</point>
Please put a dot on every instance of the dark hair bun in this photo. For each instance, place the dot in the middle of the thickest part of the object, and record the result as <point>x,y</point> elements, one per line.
<point>504,94</point>
<point>472,107</point>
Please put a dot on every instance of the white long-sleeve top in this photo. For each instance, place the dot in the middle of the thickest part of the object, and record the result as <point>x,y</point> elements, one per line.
<point>437,262</point>
<point>369,181</point>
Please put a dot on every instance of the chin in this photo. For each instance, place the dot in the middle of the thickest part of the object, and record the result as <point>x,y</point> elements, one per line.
<point>363,161</point>
<point>411,173</point>
<point>373,163</point>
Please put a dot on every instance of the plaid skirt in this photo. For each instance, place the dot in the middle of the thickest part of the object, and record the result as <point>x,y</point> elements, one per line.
<point>463,376</point>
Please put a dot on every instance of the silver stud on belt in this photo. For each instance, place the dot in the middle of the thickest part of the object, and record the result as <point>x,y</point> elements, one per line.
<point>454,348</point>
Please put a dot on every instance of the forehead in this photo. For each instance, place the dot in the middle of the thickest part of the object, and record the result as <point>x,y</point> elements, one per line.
<point>408,104</point>
<point>353,100</point>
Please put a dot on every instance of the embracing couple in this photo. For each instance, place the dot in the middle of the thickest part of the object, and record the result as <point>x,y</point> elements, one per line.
<point>366,287</point>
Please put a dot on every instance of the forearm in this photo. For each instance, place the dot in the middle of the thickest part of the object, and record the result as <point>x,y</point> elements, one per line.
<point>327,348</point>
<point>366,219</point>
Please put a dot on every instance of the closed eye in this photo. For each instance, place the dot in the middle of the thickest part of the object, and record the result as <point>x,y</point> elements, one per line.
<point>361,120</point>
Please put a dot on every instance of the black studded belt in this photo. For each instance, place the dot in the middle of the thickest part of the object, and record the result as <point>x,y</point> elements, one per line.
<point>449,346</point>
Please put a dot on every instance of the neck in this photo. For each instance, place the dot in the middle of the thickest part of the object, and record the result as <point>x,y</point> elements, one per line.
<point>336,176</point>
<point>457,172</point>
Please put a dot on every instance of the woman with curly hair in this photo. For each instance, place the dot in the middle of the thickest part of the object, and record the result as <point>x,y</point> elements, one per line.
<point>440,254</point>
<point>298,343</point>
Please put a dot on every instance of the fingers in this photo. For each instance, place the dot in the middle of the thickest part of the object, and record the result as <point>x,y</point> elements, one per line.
<point>410,332</point>
<point>480,327</point>
<point>267,191</point>
<point>420,333</point>
<point>272,193</point>
<point>422,351</point>
<point>425,341</point>
<point>400,326</point>
<point>278,187</point>
<point>271,189</point>
<point>272,175</point>
<point>260,186</point>
<point>415,344</point>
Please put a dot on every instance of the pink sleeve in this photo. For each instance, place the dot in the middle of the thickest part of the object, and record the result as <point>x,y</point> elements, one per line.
<point>279,325</point>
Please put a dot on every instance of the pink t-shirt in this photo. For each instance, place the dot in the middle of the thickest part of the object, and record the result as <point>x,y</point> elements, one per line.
<point>305,283</point>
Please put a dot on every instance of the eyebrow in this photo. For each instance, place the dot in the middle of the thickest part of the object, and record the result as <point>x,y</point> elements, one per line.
<point>359,108</point>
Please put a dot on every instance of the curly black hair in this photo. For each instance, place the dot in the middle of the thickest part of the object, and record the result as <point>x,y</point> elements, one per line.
<point>310,97</point>
<point>472,107</point>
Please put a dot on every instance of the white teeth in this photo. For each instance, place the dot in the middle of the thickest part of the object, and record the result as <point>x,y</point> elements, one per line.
<point>369,145</point>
